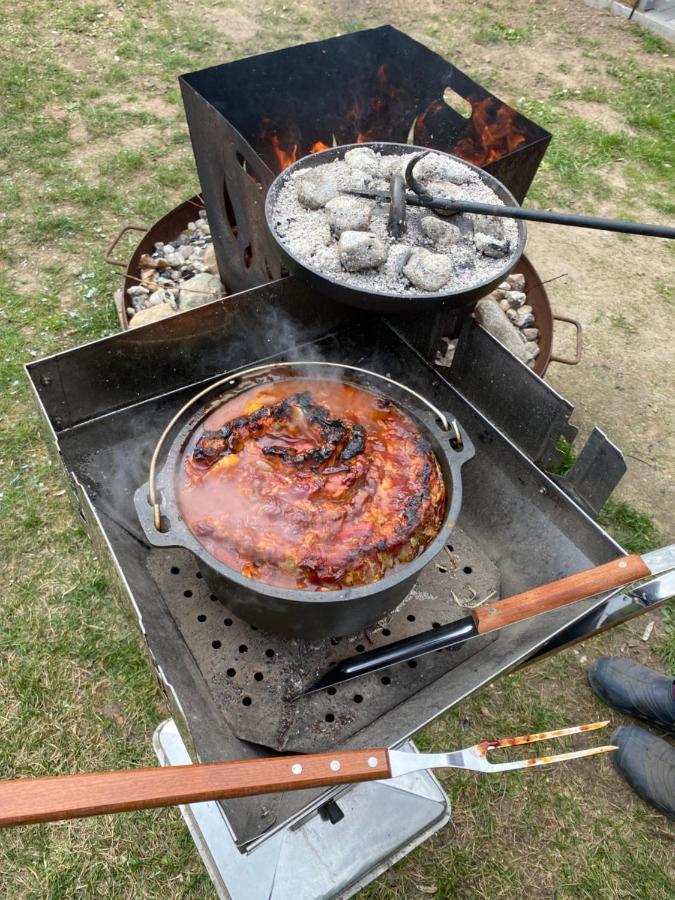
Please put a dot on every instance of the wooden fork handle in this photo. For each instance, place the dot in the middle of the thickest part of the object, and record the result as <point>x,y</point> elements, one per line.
<point>31,800</point>
<point>560,593</point>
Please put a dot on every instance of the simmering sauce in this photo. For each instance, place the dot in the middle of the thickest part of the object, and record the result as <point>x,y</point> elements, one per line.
<point>309,484</point>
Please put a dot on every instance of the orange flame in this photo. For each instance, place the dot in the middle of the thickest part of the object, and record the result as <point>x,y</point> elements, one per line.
<point>285,158</point>
<point>317,146</point>
<point>493,134</point>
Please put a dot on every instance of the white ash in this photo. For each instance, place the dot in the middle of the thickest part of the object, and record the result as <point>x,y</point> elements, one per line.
<point>170,268</point>
<point>360,250</point>
<point>348,214</point>
<point>311,235</point>
<point>443,234</point>
<point>315,190</point>
<point>428,271</point>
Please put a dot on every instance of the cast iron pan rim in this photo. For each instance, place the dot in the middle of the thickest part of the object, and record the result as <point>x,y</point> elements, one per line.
<point>307,162</point>
<point>179,534</point>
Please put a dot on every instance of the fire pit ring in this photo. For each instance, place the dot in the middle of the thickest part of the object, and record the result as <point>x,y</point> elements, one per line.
<point>176,220</point>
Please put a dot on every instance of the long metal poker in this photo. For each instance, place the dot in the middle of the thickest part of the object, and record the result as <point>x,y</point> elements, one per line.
<point>421,197</point>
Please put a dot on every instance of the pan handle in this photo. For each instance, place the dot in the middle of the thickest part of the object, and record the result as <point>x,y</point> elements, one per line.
<point>577,356</point>
<point>118,237</point>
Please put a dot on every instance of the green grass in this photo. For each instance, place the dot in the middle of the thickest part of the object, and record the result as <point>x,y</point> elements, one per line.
<point>93,137</point>
<point>496,32</point>
<point>634,530</point>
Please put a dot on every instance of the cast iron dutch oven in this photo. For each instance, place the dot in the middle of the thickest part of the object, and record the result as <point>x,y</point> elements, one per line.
<point>297,613</point>
<point>379,301</point>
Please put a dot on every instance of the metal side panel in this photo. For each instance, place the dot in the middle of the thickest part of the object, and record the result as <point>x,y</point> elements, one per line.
<point>187,349</point>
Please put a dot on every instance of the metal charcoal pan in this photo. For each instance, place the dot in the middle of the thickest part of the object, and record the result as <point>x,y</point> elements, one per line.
<point>379,301</point>
<point>297,613</point>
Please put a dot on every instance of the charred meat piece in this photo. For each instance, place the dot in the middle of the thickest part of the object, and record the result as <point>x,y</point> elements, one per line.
<point>232,436</point>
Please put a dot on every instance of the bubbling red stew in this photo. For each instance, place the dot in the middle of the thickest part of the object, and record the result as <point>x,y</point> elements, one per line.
<point>311,484</point>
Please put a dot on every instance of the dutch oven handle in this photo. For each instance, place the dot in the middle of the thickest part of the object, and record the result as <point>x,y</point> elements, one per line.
<point>118,237</point>
<point>577,356</point>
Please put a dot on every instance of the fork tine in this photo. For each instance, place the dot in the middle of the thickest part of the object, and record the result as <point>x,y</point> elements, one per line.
<point>485,746</point>
<point>547,760</point>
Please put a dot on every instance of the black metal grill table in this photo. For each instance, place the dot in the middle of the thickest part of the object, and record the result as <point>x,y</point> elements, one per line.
<point>104,405</point>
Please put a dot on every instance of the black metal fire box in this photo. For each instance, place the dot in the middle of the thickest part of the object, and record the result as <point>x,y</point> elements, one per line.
<point>251,118</point>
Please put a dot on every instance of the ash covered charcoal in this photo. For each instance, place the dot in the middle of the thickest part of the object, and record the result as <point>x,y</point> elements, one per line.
<point>348,214</point>
<point>434,168</point>
<point>428,271</point>
<point>399,255</point>
<point>327,259</point>
<point>491,246</point>
<point>444,234</point>
<point>315,189</point>
<point>393,265</point>
<point>492,226</point>
<point>444,190</point>
<point>363,159</point>
<point>360,250</point>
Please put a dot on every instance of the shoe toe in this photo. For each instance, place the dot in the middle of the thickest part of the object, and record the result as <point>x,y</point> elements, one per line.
<point>647,763</point>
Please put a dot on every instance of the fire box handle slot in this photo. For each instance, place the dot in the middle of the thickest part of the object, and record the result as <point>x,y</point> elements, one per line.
<point>118,237</point>
<point>577,356</point>
<point>234,376</point>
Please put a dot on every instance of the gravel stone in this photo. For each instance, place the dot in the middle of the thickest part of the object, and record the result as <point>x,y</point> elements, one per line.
<point>524,317</point>
<point>198,290</point>
<point>516,281</point>
<point>152,314</point>
<point>348,214</point>
<point>209,260</point>
<point>361,250</point>
<point>516,298</point>
<point>531,334</point>
<point>493,319</point>
<point>428,271</point>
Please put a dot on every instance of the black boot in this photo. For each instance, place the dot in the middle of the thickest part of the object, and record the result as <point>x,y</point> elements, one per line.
<point>635,690</point>
<point>647,763</point>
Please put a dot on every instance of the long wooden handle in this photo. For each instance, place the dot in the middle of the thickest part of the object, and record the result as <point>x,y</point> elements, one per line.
<point>560,593</point>
<point>31,800</point>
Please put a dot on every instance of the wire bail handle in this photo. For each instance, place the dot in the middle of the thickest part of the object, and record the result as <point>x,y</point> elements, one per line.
<point>234,376</point>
